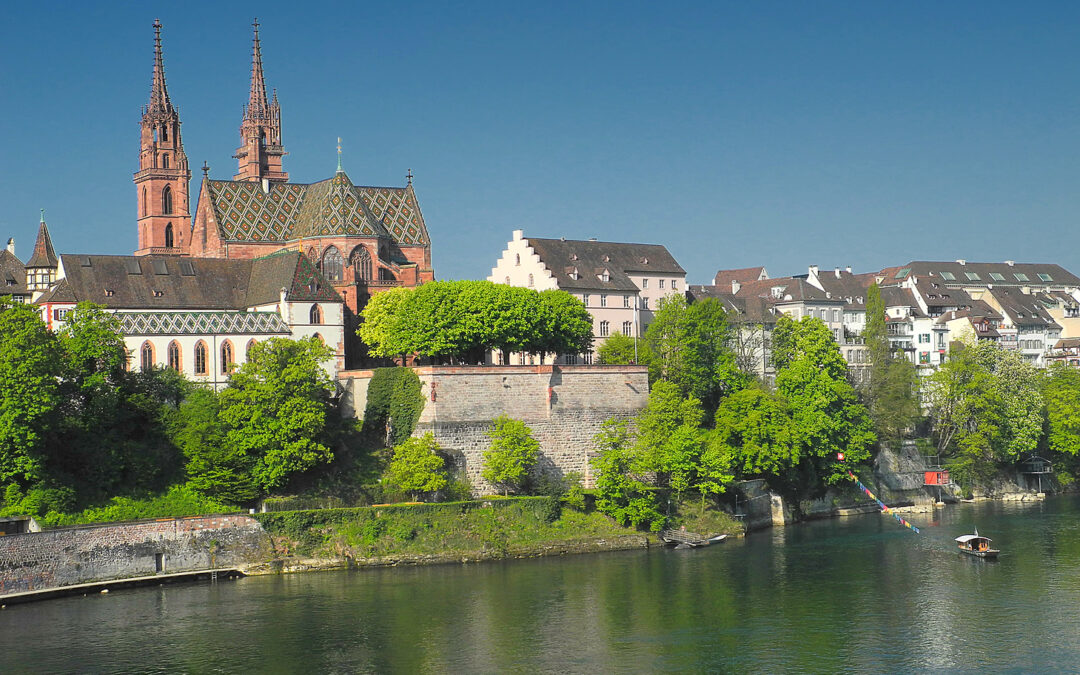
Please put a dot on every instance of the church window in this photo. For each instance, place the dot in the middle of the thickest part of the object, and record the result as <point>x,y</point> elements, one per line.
<point>332,264</point>
<point>144,203</point>
<point>200,358</point>
<point>164,161</point>
<point>168,236</point>
<point>320,338</point>
<point>247,352</point>
<point>174,355</point>
<point>360,260</point>
<point>226,357</point>
<point>146,356</point>
<point>166,201</point>
<point>312,255</point>
<point>315,314</point>
<point>165,135</point>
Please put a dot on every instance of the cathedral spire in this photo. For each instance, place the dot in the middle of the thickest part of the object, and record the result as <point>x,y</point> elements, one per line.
<point>159,93</point>
<point>257,107</point>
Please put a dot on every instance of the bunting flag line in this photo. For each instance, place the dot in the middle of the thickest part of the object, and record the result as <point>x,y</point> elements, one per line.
<point>881,504</point>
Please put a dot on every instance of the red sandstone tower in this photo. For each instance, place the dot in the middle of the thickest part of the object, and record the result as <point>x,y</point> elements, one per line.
<point>161,183</point>
<point>260,131</point>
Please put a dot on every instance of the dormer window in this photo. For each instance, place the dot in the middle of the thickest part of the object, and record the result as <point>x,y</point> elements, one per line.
<point>607,258</point>
<point>108,292</point>
<point>573,256</point>
<point>605,276</point>
<point>644,261</point>
<point>574,274</point>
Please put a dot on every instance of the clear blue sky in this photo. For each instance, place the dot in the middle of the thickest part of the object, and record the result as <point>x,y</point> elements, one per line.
<point>736,134</point>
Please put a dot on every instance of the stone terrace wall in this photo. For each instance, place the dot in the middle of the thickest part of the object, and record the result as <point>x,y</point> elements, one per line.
<point>76,555</point>
<point>563,405</point>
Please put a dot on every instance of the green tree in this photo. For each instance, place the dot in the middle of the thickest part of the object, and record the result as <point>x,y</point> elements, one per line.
<point>277,408</point>
<point>214,467</point>
<point>621,491</point>
<point>512,454</point>
<point>416,467</point>
<point>30,367</point>
<point>892,394</point>
<point>829,419</point>
<point>569,326</point>
<point>382,328</point>
<point>756,429</point>
<point>620,350</point>
<point>1061,391</point>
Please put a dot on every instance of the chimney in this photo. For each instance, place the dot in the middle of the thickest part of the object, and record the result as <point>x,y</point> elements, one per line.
<point>735,286</point>
<point>962,262</point>
<point>836,271</point>
<point>592,238</point>
<point>1010,263</point>
<point>11,245</point>
<point>813,270</point>
<point>849,269</point>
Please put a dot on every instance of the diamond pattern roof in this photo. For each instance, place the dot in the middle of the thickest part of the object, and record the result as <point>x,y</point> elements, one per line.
<point>201,323</point>
<point>289,211</point>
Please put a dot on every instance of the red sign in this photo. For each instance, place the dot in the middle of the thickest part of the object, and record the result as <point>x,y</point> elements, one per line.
<point>840,456</point>
<point>936,478</point>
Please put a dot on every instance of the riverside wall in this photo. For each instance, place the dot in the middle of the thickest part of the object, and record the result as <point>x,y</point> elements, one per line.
<point>563,405</point>
<point>50,559</point>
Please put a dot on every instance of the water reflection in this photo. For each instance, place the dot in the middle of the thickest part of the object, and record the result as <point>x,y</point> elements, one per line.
<point>850,595</point>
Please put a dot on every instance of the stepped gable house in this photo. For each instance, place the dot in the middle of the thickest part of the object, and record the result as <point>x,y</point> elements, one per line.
<point>362,239</point>
<point>621,284</point>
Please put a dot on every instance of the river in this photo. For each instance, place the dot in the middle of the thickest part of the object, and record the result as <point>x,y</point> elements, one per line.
<point>859,595</point>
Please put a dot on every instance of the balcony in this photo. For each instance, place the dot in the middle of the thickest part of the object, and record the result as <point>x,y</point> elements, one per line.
<point>165,250</point>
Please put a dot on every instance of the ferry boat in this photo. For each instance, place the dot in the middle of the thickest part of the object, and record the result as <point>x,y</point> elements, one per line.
<point>976,545</point>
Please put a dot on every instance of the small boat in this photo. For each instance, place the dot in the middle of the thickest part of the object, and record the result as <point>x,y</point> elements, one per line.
<point>976,545</point>
<point>683,539</point>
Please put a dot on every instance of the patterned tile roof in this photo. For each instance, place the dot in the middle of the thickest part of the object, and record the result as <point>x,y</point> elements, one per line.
<point>289,211</point>
<point>202,323</point>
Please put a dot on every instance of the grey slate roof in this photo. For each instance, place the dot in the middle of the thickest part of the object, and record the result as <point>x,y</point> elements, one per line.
<point>591,258</point>
<point>982,274</point>
<point>173,283</point>
<point>1023,309</point>
<point>12,274</point>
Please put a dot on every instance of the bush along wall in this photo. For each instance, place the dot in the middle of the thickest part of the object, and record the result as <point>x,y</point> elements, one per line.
<point>394,404</point>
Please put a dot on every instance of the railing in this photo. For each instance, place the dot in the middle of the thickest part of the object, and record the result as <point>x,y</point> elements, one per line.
<point>165,250</point>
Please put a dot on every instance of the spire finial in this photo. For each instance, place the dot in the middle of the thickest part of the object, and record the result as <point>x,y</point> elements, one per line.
<point>42,216</point>
<point>409,176</point>
<point>205,170</point>
<point>257,103</point>
<point>159,93</point>
<point>339,154</point>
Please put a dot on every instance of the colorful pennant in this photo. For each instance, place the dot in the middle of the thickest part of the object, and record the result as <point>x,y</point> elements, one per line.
<point>881,504</point>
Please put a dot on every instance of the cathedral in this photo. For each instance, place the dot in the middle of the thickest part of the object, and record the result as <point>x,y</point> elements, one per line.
<point>361,239</point>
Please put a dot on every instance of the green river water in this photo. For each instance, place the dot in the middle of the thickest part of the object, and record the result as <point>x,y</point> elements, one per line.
<point>858,595</point>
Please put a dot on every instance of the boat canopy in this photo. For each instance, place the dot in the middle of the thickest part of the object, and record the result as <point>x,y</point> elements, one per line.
<point>963,539</point>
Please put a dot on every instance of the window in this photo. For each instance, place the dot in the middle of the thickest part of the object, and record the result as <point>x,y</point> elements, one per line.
<point>603,300</point>
<point>644,303</point>
<point>332,264</point>
<point>900,274</point>
<point>166,201</point>
<point>144,204</point>
<point>924,338</point>
<point>146,356</point>
<point>200,358</point>
<point>605,277</point>
<point>360,260</point>
<point>507,281</point>
<point>605,328</point>
<point>661,283</point>
<point>517,259</point>
<point>627,327</point>
<point>835,315</point>
<point>948,276</point>
<point>626,301</point>
<point>174,356</point>
<point>571,359</point>
<point>1020,276</point>
<point>674,287</point>
<point>226,357</point>
<point>164,133</point>
<point>585,299</point>
<point>168,236</point>
<point>1045,277</point>
<point>530,281</point>
<point>644,283</point>
<point>972,276</point>
<point>588,358</point>
<point>247,351</point>
<point>60,314</point>
<point>315,315</point>
<point>997,276</point>
<point>164,161</point>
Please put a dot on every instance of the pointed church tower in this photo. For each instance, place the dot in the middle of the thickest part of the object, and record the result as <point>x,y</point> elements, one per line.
<point>42,266</point>
<point>259,158</point>
<point>163,178</point>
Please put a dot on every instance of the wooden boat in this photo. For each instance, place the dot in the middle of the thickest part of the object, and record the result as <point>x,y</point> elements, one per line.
<point>684,539</point>
<point>976,545</point>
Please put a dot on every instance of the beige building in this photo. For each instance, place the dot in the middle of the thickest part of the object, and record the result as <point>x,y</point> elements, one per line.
<point>621,284</point>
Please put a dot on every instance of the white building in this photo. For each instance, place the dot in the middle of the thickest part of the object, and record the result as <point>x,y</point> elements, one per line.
<point>621,284</point>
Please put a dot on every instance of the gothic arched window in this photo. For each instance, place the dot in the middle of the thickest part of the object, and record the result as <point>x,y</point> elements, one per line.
<point>166,201</point>
<point>247,352</point>
<point>200,358</point>
<point>145,204</point>
<point>226,357</point>
<point>174,355</point>
<point>315,314</point>
<point>332,264</point>
<point>165,134</point>
<point>360,260</point>
<point>146,356</point>
<point>168,236</point>
<point>164,161</point>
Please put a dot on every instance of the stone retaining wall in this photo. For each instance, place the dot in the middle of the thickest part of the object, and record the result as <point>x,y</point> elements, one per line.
<point>563,405</point>
<point>76,555</point>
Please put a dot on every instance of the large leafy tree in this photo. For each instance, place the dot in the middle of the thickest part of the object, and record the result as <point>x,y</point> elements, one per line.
<point>512,454</point>
<point>277,408</point>
<point>622,493</point>
<point>1061,391</point>
<point>30,367</point>
<point>619,349</point>
<point>755,428</point>
<point>214,467</point>
<point>691,345</point>
<point>828,416</point>
<point>892,394</point>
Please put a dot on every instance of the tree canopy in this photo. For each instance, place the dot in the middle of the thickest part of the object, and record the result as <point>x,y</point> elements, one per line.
<point>512,454</point>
